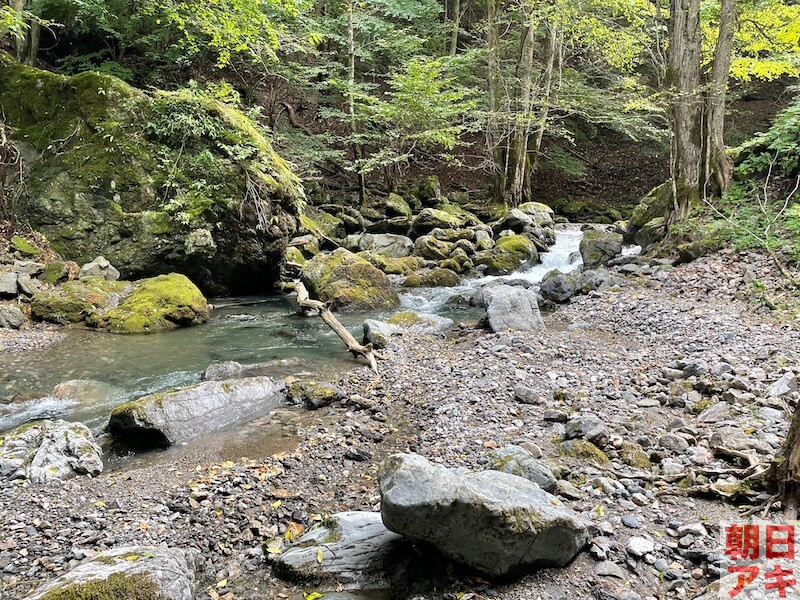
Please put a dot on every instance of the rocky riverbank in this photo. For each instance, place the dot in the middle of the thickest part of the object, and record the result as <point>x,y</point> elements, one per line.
<point>629,397</point>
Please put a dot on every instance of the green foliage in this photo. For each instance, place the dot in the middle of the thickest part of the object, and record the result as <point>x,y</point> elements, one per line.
<point>776,150</point>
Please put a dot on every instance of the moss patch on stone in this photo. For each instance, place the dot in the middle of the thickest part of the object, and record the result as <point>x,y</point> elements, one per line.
<point>439,277</point>
<point>157,304</point>
<point>584,450</point>
<point>510,252</point>
<point>116,586</point>
<point>76,301</point>
<point>20,244</point>
<point>405,319</point>
<point>348,282</point>
<point>393,266</point>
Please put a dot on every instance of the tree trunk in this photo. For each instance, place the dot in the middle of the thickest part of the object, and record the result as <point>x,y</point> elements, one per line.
<point>546,93</point>
<point>685,107</point>
<point>520,191</point>
<point>718,164</point>
<point>456,21</point>
<point>27,46</point>
<point>494,137</point>
<point>351,97</point>
<point>789,469</point>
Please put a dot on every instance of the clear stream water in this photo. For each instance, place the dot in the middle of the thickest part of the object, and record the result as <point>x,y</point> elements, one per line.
<point>247,330</point>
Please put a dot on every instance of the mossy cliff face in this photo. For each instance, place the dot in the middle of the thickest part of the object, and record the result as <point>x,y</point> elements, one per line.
<point>156,182</point>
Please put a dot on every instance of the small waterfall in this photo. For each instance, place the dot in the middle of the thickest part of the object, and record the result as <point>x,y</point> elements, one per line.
<point>563,255</point>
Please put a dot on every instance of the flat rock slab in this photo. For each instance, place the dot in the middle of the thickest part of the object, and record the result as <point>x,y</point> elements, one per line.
<point>352,548</point>
<point>494,522</point>
<point>164,419</point>
<point>46,451</point>
<point>128,572</point>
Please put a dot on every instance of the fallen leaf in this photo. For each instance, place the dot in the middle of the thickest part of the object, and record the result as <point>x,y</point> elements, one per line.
<point>222,583</point>
<point>319,555</point>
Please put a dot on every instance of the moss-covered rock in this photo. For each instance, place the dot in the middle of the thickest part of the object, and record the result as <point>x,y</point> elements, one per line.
<point>509,253</point>
<point>348,282</point>
<point>78,301</point>
<point>294,255</point>
<point>321,224</point>
<point>439,277</point>
<point>393,266</point>
<point>429,247</point>
<point>432,218</point>
<point>23,246</point>
<point>653,205</point>
<point>396,206</point>
<point>597,247</point>
<point>58,271</point>
<point>157,304</point>
<point>135,174</point>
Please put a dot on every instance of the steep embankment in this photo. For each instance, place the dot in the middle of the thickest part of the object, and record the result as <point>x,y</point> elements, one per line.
<point>156,182</point>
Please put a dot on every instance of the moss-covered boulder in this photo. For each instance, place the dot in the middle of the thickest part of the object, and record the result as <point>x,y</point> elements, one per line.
<point>439,277</point>
<point>393,266</point>
<point>509,254</point>
<point>429,247</point>
<point>156,182</point>
<point>131,572</point>
<point>80,301</point>
<point>396,206</point>
<point>653,205</point>
<point>432,218</point>
<point>24,247</point>
<point>157,304</point>
<point>58,271</point>
<point>154,304</point>
<point>348,282</point>
<point>321,224</point>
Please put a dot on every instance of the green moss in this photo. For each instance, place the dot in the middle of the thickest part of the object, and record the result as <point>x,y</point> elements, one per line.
<point>347,281</point>
<point>156,304</point>
<point>412,281</point>
<point>55,272</point>
<point>20,244</point>
<point>321,223</point>
<point>405,319</point>
<point>75,301</point>
<point>633,455</point>
<point>396,206</point>
<point>584,450</point>
<point>293,255</point>
<point>115,587</point>
<point>393,266</point>
<point>439,277</point>
<point>509,253</point>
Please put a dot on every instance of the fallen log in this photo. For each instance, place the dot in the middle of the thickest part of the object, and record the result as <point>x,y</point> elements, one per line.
<point>306,303</point>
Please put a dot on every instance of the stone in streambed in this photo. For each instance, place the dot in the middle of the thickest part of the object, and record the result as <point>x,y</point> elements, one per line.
<point>597,247</point>
<point>315,394</point>
<point>144,572</point>
<point>45,451</point>
<point>163,419</point>
<point>351,548</point>
<point>510,307</point>
<point>494,522</point>
<point>11,317</point>
<point>99,267</point>
<point>518,461</point>
<point>377,333</point>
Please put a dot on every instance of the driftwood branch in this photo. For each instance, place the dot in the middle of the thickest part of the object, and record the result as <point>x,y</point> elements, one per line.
<point>306,303</point>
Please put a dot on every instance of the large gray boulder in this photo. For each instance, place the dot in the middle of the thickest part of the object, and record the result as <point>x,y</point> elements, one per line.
<point>46,451</point>
<point>164,419</point>
<point>11,317</point>
<point>351,548</point>
<point>99,267</point>
<point>511,307</point>
<point>128,572</point>
<point>386,244</point>
<point>598,247</point>
<point>378,333</point>
<point>518,461</point>
<point>494,522</point>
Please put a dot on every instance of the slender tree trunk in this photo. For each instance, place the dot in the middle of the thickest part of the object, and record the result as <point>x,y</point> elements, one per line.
<point>351,96</point>
<point>718,164</point>
<point>788,471</point>
<point>456,22</point>
<point>494,137</point>
<point>685,107</point>
<point>517,193</point>
<point>547,85</point>
<point>26,47</point>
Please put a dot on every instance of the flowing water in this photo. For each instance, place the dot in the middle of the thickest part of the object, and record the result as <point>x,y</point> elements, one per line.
<point>118,368</point>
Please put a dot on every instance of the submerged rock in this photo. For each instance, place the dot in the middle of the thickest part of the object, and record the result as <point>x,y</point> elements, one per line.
<point>45,451</point>
<point>351,548</point>
<point>348,282</point>
<point>164,419</point>
<point>494,522</point>
<point>128,572</point>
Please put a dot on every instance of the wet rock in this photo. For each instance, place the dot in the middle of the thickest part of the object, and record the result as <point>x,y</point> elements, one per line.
<point>598,247</point>
<point>85,392</point>
<point>352,548</point>
<point>11,317</point>
<point>518,461</point>
<point>512,308</point>
<point>128,572</point>
<point>46,451</point>
<point>99,267</point>
<point>494,522</point>
<point>164,419</point>
<point>377,333</point>
<point>220,371</point>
